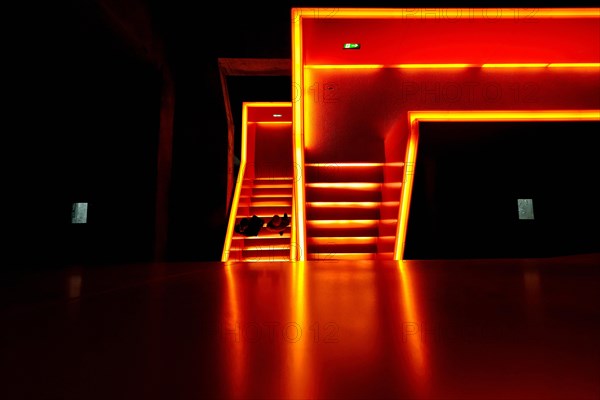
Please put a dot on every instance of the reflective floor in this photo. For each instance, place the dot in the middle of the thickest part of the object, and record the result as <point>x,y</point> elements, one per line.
<point>475,329</point>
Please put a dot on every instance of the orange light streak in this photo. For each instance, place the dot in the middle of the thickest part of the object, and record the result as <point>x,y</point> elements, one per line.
<point>272,123</point>
<point>300,382</point>
<point>357,164</point>
<point>449,13</point>
<point>516,65</point>
<point>412,334</point>
<point>238,185</point>
<point>344,204</point>
<point>350,223</point>
<point>342,185</point>
<point>574,65</point>
<point>238,354</point>
<point>453,66</point>
<point>299,219</point>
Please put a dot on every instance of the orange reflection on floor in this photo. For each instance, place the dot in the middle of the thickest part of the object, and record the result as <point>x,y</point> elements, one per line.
<point>411,329</point>
<point>338,329</point>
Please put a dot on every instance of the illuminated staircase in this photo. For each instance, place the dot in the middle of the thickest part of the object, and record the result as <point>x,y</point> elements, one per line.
<point>263,197</point>
<point>346,217</point>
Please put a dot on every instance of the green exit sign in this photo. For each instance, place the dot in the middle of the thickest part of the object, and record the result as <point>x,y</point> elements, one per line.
<point>351,45</point>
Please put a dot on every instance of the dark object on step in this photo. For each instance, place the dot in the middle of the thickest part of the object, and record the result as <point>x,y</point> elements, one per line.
<point>249,226</point>
<point>278,224</point>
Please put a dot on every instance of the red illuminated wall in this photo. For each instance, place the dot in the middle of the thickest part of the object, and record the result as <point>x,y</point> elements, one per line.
<point>355,103</point>
<point>483,37</point>
<point>273,151</point>
<point>366,120</point>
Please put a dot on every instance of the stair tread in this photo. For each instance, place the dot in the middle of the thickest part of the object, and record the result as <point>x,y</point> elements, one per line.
<point>342,240</point>
<point>343,256</point>
<point>267,247</point>
<point>345,185</point>
<point>356,164</point>
<point>341,204</point>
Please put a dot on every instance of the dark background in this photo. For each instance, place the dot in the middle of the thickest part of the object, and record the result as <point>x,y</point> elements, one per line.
<point>468,178</point>
<point>83,95</point>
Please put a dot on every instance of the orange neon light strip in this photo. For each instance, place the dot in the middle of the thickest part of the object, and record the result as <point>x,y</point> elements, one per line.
<point>342,185</point>
<point>453,66</point>
<point>446,13</point>
<point>243,161</point>
<point>356,164</point>
<point>238,186</point>
<point>271,122</point>
<point>354,223</point>
<point>345,239</point>
<point>253,104</point>
<point>528,115</point>
<point>343,204</point>
<point>299,222</point>
<point>574,65</point>
<point>444,116</point>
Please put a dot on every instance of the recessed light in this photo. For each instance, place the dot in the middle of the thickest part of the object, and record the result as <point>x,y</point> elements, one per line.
<point>278,115</point>
<point>351,46</point>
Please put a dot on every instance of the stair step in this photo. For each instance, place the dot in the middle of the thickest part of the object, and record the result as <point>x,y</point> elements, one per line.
<point>343,172</point>
<point>351,227</point>
<point>385,255</point>
<point>269,259</point>
<point>335,245</point>
<point>355,191</point>
<point>386,244</point>
<point>266,202</point>
<point>342,210</point>
<point>391,191</point>
<point>366,227</point>
<point>387,227</point>
<point>266,254</point>
<point>264,239</point>
<point>268,183</point>
<point>275,171</point>
<point>349,256</point>
<point>340,256</point>
<point>267,191</point>
<point>267,247</point>
<point>268,196</point>
<point>266,218</point>
<point>389,209</point>
<point>269,210</point>
<point>342,240</point>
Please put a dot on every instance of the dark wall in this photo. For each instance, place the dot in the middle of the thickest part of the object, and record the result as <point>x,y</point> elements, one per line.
<point>469,176</point>
<point>87,132</point>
